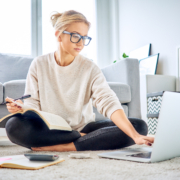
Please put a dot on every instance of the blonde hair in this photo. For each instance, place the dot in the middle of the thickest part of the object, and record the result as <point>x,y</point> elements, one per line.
<point>60,21</point>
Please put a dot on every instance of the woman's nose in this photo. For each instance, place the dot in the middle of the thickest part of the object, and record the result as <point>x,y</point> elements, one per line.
<point>80,43</point>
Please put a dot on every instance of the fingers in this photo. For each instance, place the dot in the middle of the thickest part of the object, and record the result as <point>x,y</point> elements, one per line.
<point>12,107</point>
<point>148,143</point>
<point>9,99</point>
<point>147,140</point>
<point>19,101</point>
<point>150,139</point>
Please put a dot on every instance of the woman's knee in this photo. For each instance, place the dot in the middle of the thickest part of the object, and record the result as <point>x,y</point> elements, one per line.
<point>13,127</point>
<point>92,126</point>
<point>140,126</point>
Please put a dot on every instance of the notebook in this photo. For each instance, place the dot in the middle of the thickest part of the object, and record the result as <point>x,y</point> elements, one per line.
<point>52,121</point>
<point>21,162</point>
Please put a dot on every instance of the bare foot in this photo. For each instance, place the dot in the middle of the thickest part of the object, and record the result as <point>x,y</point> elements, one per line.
<point>59,147</point>
<point>67,147</point>
<point>82,134</point>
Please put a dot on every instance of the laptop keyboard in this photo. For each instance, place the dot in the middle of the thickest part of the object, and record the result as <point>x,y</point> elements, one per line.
<point>141,155</point>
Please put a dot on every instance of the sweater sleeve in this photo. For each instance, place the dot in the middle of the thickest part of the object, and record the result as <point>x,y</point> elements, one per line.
<point>32,87</point>
<point>103,97</point>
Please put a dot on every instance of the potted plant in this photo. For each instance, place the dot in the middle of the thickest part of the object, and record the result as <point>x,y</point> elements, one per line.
<point>124,56</point>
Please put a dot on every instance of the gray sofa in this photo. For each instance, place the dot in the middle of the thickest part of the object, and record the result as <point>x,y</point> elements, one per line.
<point>122,77</point>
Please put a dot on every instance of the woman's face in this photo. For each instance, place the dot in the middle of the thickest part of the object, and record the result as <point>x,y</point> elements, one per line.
<point>74,48</point>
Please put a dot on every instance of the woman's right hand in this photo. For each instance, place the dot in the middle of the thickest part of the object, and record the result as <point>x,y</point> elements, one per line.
<point>12,107</point>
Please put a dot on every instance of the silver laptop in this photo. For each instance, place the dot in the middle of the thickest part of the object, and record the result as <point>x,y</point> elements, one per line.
<point>166,144</point>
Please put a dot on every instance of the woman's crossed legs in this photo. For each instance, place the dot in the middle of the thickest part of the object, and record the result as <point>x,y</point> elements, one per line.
<point>100,135</point>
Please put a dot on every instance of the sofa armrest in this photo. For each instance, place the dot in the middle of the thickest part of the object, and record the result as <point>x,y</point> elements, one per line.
<point>126,71</point>
<point>1,93</point>
<point>14,89</point>
<point>123,91</point>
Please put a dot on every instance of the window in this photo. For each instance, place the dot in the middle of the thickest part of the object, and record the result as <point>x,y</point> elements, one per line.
<point>21,29</point>
<point>15,33</point>
<point>87,8</point>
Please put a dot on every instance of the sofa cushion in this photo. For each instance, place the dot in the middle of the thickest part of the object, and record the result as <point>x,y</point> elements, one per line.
<point>14,89</point>
<point>1,93</point>
<point>101,117</point>
<point>13,67</point>
<point>122,91</point>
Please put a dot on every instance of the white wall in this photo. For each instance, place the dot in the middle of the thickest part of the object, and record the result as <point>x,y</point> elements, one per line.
<point>151,21</point>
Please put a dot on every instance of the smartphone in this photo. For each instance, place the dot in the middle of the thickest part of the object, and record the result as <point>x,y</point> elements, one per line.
<point>41,157</point>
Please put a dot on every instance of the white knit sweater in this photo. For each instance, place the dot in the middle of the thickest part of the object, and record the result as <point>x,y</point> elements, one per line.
<point>70,91</point>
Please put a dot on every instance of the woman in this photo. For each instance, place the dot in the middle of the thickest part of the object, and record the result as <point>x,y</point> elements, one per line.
<point>68,84</point>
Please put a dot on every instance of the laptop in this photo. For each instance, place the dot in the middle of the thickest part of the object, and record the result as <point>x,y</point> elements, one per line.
<point>166,143</point>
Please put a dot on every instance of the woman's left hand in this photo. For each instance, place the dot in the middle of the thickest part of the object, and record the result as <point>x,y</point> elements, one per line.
<point>144,140</point>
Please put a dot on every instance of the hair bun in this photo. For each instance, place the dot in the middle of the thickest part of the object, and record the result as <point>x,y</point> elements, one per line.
<point>54,17</point>
<point>61,21</point>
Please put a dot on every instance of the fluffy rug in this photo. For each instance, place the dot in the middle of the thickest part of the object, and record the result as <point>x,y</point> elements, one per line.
<point>95,168</point>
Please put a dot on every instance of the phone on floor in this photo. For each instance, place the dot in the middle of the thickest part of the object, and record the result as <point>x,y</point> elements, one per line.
<point>41,157</point>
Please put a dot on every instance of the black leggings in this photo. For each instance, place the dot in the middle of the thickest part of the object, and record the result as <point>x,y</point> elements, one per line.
<point>101,135</point>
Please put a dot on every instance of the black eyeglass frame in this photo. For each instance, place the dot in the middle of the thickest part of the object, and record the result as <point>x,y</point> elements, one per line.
<point>82,37</point>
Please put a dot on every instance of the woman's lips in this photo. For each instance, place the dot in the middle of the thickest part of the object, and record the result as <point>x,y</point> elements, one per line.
<point>77,49</point>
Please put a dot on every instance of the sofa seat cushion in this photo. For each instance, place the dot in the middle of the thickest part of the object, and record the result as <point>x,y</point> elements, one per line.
<point>1,93</point>
<point>101,117</point>
<point>122,91</point>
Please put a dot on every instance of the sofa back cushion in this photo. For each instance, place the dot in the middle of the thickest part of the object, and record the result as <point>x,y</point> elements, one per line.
<point>13,67</point>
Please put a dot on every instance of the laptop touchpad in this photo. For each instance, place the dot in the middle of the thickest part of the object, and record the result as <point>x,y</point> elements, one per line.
<point>141,155</point>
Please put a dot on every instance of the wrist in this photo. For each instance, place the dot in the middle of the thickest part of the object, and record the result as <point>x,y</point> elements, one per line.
<point>135,136</point>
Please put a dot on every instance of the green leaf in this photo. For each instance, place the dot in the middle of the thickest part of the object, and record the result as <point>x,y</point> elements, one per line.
<point>124,55</point>
<point>114,61</point>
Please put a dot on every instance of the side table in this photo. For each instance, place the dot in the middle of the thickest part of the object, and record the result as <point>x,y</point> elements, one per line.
<point>154,83</point>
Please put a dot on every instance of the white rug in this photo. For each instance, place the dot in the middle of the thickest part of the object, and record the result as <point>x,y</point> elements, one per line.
<point>91,169</point>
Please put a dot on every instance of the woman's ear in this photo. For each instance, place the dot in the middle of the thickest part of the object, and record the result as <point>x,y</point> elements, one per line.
<point>58,36</point>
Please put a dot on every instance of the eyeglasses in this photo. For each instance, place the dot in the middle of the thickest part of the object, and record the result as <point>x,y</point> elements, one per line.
<point>75,38</point>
